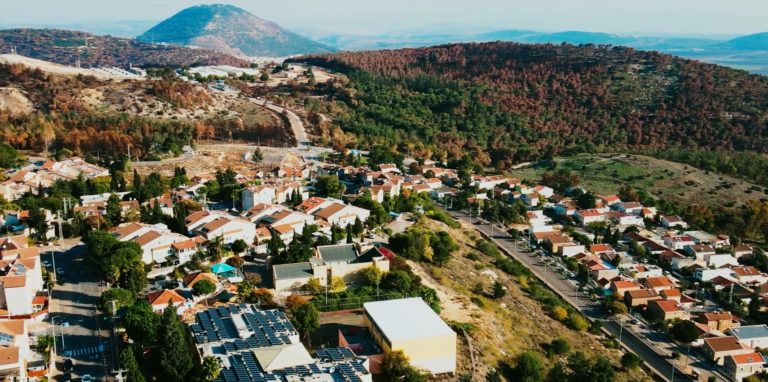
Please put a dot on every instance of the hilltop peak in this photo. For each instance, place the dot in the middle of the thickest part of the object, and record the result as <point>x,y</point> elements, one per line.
<point>232,30</point>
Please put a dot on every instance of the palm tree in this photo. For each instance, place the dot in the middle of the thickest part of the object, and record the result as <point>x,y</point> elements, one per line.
<point>216,248</point>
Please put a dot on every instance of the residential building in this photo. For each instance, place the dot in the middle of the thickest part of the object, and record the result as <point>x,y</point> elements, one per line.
<point>717,348</point>
<point>639,297</point>
<point>586,217</point>
<point>619,287</point>
<point>660,283</point>
<point>740,366</point>
<point>749,275</point>
<point>666,310</point>
<point>719,321</point>
<point>181,300</point>
<point>343,260</point>
<point>411,326</point>
<point>156,242</point>
<point>754,336</point>
<point>673,221</point>
<point>230,229</point>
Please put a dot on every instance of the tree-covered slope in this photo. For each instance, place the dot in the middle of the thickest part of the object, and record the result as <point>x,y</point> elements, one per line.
<point>503,103</point>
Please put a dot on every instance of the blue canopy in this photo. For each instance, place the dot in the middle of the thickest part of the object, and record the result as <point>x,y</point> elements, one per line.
<point>222,268</point>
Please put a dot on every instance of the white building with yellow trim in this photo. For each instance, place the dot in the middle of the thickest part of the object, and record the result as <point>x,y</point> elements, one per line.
<point>412,326</point>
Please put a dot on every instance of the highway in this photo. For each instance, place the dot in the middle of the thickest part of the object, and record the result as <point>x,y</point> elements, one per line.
<point>657,361</point>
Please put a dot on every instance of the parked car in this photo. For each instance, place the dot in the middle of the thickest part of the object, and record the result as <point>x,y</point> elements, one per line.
<point>86,378</point>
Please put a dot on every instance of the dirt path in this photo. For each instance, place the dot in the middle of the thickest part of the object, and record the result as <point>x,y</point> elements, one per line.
<point>455,307</point>
<point>297,126</point>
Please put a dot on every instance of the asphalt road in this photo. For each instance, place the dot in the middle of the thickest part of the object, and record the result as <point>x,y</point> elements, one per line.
<point>80,334</point>
<point>659,363</point>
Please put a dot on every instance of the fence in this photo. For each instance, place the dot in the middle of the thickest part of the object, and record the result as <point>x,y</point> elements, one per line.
<point>349,303</point>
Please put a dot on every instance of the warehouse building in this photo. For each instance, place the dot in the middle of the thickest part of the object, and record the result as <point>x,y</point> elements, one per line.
<point>412,326</point>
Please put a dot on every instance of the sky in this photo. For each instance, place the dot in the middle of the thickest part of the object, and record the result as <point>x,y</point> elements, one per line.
<point>368,17</point>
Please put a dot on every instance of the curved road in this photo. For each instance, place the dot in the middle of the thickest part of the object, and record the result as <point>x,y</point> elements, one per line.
<point>297,126</point>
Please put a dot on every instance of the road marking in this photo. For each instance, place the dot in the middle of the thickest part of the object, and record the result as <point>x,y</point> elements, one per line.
<point>79,352</point>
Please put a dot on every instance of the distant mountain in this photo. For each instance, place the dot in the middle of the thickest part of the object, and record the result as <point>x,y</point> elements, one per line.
<point>67,47</point>
<point>757,41</point>
<point>231,30</point>
<point>120,28</point>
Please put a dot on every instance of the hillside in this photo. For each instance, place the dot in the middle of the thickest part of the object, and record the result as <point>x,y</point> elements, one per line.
<point>91,116</point>
<point>230,30</point>
<point>757,41</point>
<point>66,47</point>
<point>505,103</point>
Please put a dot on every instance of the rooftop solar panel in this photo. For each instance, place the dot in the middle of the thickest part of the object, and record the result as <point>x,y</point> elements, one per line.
<point>229,375</point>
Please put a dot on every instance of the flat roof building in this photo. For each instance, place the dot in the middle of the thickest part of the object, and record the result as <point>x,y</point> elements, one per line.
<point>412,326</point>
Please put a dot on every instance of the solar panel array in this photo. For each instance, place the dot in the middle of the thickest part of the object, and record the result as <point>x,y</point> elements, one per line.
<point>245,368</point>
<point>267,328</point>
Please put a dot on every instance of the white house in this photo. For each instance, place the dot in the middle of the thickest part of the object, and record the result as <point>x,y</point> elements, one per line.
<point>706,274</point>
<point>257,195</point>
<point>586,217</point>
<point>229,229</point>
<point>672,221</point>
<point>342,214</point>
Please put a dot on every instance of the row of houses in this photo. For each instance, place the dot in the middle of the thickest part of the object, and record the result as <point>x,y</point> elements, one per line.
<point>43,173</point>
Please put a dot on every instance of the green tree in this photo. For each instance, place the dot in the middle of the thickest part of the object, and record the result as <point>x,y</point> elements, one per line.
<point>499,290</point>
<point>586,200</point>
<point>616,307</point>
<point>211,368</point>
<point>133,278</point>
<point>529,368</point>
<point>329,186</point>
<point>630,361</point>
<point>142,323</point>
<point>577,322</point>
<point>121,298</point>
<point>371,276</point>
<point>313,286</point>
<point>558,373</point>
<point>684,331</point>
<point>396,367</point>
<point>113,211</point>
<point>602,371</point>
<point>560,346</point>
<point>203,288</point>
<point>305,319</point>
<point>9,157</point>
<point>44,345</point>
<point>175,356</point>
<point>128,362</point>
<point>258,156</point>
<point>239,246</point>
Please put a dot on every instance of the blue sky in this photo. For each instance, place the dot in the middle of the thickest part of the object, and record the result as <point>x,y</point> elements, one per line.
<point>316,17</point>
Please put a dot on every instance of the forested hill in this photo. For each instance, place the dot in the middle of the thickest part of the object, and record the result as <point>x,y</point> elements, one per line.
<point>66,47</point>
<point>507,102</point>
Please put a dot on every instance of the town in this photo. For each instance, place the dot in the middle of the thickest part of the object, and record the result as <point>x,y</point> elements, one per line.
<point>259,268</point>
